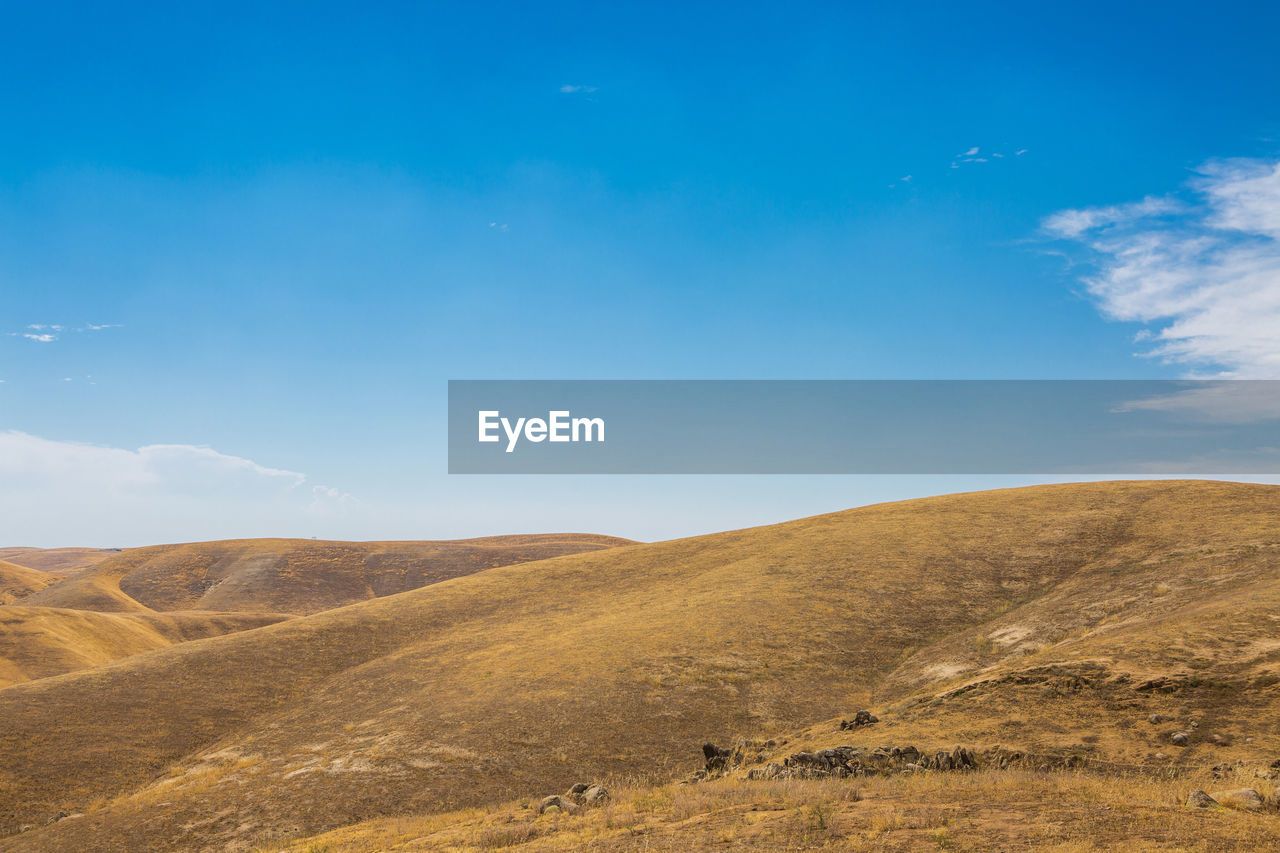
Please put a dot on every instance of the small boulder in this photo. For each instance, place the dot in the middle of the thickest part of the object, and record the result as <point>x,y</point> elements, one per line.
<point>596,795</point>
<point>1220,739</point>
<point>1200,800</point>
<point>717,757</point>
<point>556,803</point>
<point>1180,738</point>
<point>860,718</point>
<point>1155,719</point>
<point>1245,799</point>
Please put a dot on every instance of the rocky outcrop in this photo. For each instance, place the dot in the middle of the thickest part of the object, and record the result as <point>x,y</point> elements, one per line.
<point>556,803</point>
<point>847,761</point>
<point>579,795</point>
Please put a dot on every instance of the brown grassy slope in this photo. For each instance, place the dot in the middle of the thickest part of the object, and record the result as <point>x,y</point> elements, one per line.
<point>291,575</point>
<point>57,561</point>
<point>38,642</point>
<point>18,581</point>
<point>522,679</point>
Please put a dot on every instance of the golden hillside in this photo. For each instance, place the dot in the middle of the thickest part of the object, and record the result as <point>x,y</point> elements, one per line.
<point>290,575</point>
<point>38,642</point>
<point>58,561</point>
<point>1050,622</point>
<point>19,581</point>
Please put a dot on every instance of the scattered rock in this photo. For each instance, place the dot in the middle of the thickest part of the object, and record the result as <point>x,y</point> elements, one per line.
<point>1246,799</point>
<point>1160,756</point>
<point>1220,740</point>
<point>1200,800</point>
<point>1180,738</point>
<point>1156,718</point>
<point>579,794</point>
<point>860,718</point>
<point>26,827</point>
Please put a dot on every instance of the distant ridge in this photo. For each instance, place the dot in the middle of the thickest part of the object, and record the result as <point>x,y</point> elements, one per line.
<point>297,576</point>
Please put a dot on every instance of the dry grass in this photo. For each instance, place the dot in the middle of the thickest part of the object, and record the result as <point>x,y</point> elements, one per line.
<point>1025,618</point>
<point>18,582</point>
<point>1010,810</point>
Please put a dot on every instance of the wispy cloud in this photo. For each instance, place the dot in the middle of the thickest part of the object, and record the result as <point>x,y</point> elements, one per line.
<point>974,156</point>
<point>577,89</point>
<point>47,333</point>
<point>1202,272</point>
<point>200,491</point>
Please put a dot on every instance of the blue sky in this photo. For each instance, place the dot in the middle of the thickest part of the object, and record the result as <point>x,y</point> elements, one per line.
<point>295,224</point>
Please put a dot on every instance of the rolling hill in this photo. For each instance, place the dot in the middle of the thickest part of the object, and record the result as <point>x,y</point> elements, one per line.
<point>296,576</point>
<point>1051,622</point>
<point>17,582</point>
<point>57,561</point>
<point>38,642</point>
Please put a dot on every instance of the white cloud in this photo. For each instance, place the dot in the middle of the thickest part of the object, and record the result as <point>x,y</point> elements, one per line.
<point>574,89</point>
<point>971,152</point>
<point>116,495</point>
<point>1203,274</point>
<point>43,337</point>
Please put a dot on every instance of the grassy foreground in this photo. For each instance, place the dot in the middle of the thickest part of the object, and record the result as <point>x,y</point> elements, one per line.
<point>1068,812</point>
